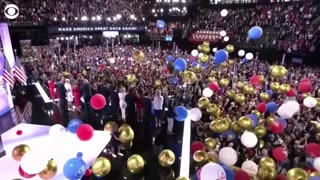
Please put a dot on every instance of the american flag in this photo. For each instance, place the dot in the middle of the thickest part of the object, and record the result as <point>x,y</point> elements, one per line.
<point>8,75</point>
<point>19,72</point>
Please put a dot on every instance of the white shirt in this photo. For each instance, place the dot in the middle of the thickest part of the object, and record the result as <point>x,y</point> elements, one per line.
<point>122,98</point>
<point>158,102</point>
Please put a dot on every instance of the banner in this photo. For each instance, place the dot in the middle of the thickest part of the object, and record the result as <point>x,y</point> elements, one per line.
<point>80,29</point>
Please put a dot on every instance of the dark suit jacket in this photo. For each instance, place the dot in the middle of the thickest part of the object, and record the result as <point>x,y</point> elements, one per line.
<point>114,97</point>
<point>62,90</point>
<point>86,92</point>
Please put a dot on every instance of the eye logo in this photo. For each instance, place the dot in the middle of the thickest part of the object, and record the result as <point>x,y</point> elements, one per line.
<point>11,11</point>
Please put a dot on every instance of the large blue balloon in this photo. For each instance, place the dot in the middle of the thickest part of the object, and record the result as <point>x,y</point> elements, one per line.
<point>272,107</point>
<point>254,119</point>
<point>73,125</point>
<point>174,80</point>
<point>181,113</point>
<point>170,58</point>
<point>269,92</point>
<point>220,56</point>
<point>161,24</point>
<point>180,64</point>
<point>230,174</point>
<point>244,61</point>
<point>75,168</point>
<point>255,32</point>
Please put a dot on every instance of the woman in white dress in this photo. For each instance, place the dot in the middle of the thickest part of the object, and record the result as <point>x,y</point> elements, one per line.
<point>69,93</point>
<point>122,94</point>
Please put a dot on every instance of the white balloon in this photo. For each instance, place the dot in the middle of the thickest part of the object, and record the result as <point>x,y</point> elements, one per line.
<point>241,53</point>
<point>249,139</point>
<point>112,60</point>
<point>35,161</point>
<point>316,164</point>
<point>207,92</point>
<point>224,12</point>
<point>250,167</point>
<point>223,33</point>
<point>226,39</point>
<point>195,114</point>
<point>310,102</point>
<point>212,171</point>
<point>249,56</point>
<point>194,53</point>
<point>289,108</point>
<point>214,49</point>
<point>57,130</point>
<point>228,156</point>
<point>200,55</point>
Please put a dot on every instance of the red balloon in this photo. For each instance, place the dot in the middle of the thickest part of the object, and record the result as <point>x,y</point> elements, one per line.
<point>255,80</point>
<point>241,175</point>
<point>304,87</point>
<point>276,127</point>
<point>19,132</point>
<point>166,70</point>
<point>305,80</point>
<point>88,172</point>
<point>313,150</point>
<point>262,107</point>
<point>196,146</point>
<point>24,174</point>
<point>98,102</point>
<point>214,86</point>
<point>280,154</point>
<point>281,177</point>
<point>85,132</point>
<point>291,93</point>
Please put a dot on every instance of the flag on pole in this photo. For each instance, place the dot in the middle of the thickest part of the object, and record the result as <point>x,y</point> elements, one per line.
<point>19,72</point>
<point>8,75</point>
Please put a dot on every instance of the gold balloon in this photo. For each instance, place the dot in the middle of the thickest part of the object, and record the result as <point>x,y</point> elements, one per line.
<point>267,162</point>
<point>127,146</point>
<point>306,95</point>
<point>213,158</point>
<point>110,127</point>
<point>203,103</point>
<point>126,135</point>
<point>101,167</point>
<point>200,48</point>
<point>261,144</point>
<point>267,173</point>
<point>123,126</point>
<point>131,78</point>
<point>210,144</point>
<point>206,43</point>
<point>231,62</point>
<point>138,56</point>
<point>213,73</point>
<point>264,96</point>
<point>297,174</point>
<point>224,65</point>
<point>256,113</point>
<point>19,151</point>
<point>204,58</point>
<point>135,163</point>
<point>212,79</point>
<point>198,69</point>
<point>239,98</point>
<point>157,83</point>
<point>261,78</point>
<point>275,86</point>
<point>248,89</point>
<point>50,171</point>
<point>182,178</point>
<point>240,85</point>
<point>315,173</point>
<point>220,125</point>
<point>279,72</point>
<point>206,49</point>
<point>166,158</point>
<point>284,88</point>
<point>224,83</point>
<point>200,157</point>
<point>235,127</point>
<point>189,77</point>
<point>218,113</point>
<point>270,119</point>
<point>230,94</point>
<point>230,48</point>
<point>260,131</point>
<point>212,108</point>
<point>245,122</point>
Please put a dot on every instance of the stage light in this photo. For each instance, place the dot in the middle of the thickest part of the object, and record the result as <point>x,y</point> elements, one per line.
<point>55,19</point>
<point>161,10</point>
<point>90,37</point>
<point>98,18</point>
<point>153,11</point>
<point>115,18</point>
<point>183,1</point>
<point>132,16</point>
<point>170,10</point>
<point>67,38</point>
<point>155,15</point>
<point>63,19</point>
<point>143,19</point>
<point>109,19</point>
<point>185,8</point>
<point>62,38</point>
<point>76,18</point>
<point>93,19</point>
<point>84,18</point>
<point>57,38</point>
<point>118,16</point>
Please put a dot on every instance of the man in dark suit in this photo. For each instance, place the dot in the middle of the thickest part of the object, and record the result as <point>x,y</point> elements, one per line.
<point>62,93</point>
<point>147,105</point>
<point>104,90</point>
<point>86,93</point>
<point>131,100</point>
<point>114,99</point>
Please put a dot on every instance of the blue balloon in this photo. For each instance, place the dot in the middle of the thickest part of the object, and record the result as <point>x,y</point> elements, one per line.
<point>269,92</point>
<point>73,125</point>
<point>244,61</point>
<point>75,168</point>
<point>181,113</point>
<point>228,133</point>
<point>220,56</point>
<point>282,121</point>
<point>174,80</point>
<point>272,107</point>
<point>254,119</point>
<point>255,32</point>
<point>194,64</point>
<point>161,24</point>
<point>204,65</point>
<point>170,58</point>
<point>180,64</point>
<point>230,174</point>
<point>314,178</point>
